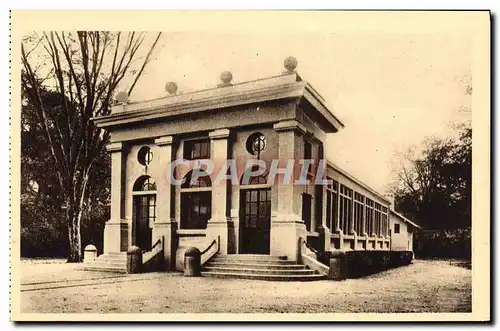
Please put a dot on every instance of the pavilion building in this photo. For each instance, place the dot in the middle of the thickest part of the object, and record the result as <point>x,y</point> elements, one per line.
<point>275,118</point>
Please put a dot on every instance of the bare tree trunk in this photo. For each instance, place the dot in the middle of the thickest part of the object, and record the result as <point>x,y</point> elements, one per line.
<point>75,241</point>
<point>74,236</point>
<point>74,224</point>
<point>86,91</point>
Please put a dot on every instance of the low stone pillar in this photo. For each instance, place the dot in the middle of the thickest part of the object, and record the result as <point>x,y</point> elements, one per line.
<point>89,253</point>
<point>338,266</point>
<point>134,260</point>
<point>192,262</point>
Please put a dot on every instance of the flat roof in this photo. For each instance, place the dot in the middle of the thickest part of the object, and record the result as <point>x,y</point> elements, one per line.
<point>356,180</point>
<point>287,85</point>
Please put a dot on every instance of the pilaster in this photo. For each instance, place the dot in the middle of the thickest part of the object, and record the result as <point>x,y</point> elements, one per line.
<point>287,227</point>
<point>165,225</point>
<point>116,229</point>
<point>220,224</point>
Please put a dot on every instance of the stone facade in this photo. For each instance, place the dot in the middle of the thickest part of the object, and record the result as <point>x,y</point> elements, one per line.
<point>294,121</point>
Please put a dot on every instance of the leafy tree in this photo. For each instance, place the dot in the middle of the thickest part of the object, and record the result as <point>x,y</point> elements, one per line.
<point>67,79</point>
<point>434,185</point>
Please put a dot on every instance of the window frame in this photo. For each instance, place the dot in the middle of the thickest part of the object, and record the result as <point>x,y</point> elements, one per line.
<point>189,148</point>
<point>345,210</point>
<point>332,208</point>
<point>398,227</point>
<point>191,199</point>
<point>148,196</point>
<point>369,210</point>
<point>359,210</point>
<point>190,192</point>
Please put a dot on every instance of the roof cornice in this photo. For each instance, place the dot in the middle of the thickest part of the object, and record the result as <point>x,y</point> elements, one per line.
<point>286,86</point>
<point>357,181</point>
<point>294,90</point>
<point>317,101</point>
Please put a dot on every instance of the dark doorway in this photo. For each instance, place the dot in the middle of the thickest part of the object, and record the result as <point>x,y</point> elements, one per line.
<point>255,220</point>
<point>145,214</point>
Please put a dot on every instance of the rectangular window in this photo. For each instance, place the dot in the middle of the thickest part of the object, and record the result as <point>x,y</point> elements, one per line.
<point>195,209</point>
<point>396,228</point>
<point>332,204</point>
<point>378,219</point>
<point>152,210</point>
<point>335,205</point>
<point>369,217</point>
<point>197,149</point>
<point>307,150</point>
<point>385,221</point>
<point>358,213</point>
<point>345,208</point>
<point>328,209</point>
<point>308,154</point>
<point>306,210</point>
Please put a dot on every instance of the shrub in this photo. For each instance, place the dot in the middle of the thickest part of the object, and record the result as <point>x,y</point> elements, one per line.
<point>364,263</point>
<point>444,244</point>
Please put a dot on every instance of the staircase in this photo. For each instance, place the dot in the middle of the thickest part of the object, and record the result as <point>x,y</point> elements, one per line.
<point>260,267</point>
<point>109,262</point>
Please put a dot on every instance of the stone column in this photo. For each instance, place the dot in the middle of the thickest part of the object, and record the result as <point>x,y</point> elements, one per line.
<point>365,233</point>
<point>323,228</point>
<point>338,230</point>
<point>352,231</point>
<point>116,229</point>
<point>287,226</point>
<point>220,224</point>
<point>352,220</point>
<point>165,224</point>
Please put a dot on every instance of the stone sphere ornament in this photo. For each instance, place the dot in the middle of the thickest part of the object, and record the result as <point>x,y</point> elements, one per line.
<point>171,88</point>
<point>290,63</point>
<point>226,77</point>
<point>121,97</point>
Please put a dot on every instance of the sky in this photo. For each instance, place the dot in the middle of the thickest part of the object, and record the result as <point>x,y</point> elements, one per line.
<point>391,90</point>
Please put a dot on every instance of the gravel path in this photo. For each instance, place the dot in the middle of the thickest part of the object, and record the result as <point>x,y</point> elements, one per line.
<point>424,286</point>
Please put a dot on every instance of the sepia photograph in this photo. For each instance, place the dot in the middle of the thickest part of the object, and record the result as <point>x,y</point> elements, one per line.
<point>250,166</point>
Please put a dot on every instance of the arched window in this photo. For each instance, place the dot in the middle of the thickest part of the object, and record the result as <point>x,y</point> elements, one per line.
<point>144,211</point>
<point>196,201</point>
<point>250,179</point>
<point>201,181</point>
<point>144,183</point>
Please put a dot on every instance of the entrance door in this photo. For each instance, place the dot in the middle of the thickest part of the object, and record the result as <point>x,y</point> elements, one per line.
<point>144,211</point>
<point>255,221</point>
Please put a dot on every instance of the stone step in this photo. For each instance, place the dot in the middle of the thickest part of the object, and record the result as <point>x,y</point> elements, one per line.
<point>107,263</point>
<point>259,271</point>
<point>105,268</point>
<point>111,258</point>
<point>282,278</point>
<point>251,261</point>
<point>271,266</point>
<point>248,257</point>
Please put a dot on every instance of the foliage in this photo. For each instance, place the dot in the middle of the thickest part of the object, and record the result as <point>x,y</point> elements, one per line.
<point>44,231</point>
<point>434,186</point>
<point>444,244</point>
<point>67,79</point>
